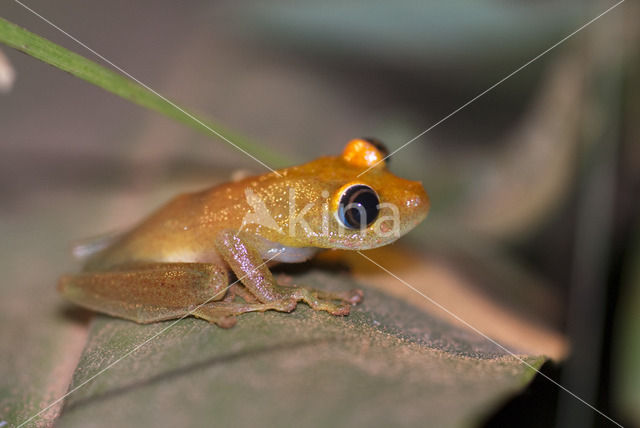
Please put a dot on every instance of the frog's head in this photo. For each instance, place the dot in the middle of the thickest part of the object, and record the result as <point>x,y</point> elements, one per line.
<point>350,201</point>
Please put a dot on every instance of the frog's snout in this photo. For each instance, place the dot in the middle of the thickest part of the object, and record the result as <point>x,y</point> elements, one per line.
<point>417,200</point>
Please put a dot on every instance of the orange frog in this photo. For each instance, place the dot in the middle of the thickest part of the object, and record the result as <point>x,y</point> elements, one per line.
<point>178,261</point>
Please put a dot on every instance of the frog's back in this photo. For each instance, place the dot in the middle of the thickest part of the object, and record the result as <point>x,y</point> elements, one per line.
<point>183,230</point>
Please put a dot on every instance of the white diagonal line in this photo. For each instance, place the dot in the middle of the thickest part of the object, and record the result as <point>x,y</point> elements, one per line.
<point>499,82</point>
<point>171,103</point>
<point>488,338</point>
<point>135,348</point>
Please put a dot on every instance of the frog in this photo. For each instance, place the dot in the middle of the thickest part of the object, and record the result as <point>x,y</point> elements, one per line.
<point>180,261</point>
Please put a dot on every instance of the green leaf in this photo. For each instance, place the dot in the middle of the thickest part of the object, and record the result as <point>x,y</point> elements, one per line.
<point>63,59</point>
<point>386,364</point>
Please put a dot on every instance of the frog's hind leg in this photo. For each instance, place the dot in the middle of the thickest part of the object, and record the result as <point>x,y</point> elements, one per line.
<point>226,311</point>
<point>151,292</point>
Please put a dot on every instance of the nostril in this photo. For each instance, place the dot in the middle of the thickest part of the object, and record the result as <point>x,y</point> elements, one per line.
<point>414,202</point>
<point>417,197</point>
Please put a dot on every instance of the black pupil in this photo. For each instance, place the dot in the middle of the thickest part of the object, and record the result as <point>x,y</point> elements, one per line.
<point>359,206</point>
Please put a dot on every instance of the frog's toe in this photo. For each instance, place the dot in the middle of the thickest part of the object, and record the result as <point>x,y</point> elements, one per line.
<point>224,313</point>
<point>342,309</point>
<point>329,303</point>
<point>214,317</point>
<point>289,305</point>
<point>355,296</point>
<point>227,322</point>
<point>351,297</point>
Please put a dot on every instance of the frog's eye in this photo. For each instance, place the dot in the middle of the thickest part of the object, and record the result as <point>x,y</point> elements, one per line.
<point>366,153</point>
<point>380,146</point>
<point>358,206</point>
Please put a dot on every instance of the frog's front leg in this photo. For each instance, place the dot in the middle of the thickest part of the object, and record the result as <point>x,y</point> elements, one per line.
<point>248,265</point>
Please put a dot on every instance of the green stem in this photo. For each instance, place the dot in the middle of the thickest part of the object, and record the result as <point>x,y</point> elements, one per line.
<point>63,59</point>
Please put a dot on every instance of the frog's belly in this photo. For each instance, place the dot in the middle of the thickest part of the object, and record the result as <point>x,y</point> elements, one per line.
<point>274,254</point>
<point>284,254</point>
<point>189,256</point>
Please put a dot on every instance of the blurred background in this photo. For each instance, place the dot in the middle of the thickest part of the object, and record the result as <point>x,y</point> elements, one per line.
<point>533,235</point>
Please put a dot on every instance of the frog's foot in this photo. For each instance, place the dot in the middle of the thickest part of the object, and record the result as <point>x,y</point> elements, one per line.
<point>353,297</point>
<point>336,303</point>
<point>224,313</point>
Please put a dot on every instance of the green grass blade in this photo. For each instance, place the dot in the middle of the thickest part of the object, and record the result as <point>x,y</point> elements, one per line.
<point>63,59</point>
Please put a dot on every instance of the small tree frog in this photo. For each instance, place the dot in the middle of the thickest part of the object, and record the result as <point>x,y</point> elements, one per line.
<point>182,255</point>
